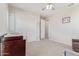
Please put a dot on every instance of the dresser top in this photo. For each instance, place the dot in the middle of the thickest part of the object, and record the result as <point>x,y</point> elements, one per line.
<point>13,34</point>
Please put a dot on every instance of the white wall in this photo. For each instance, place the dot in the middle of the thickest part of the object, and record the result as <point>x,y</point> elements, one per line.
<point>3,18</point>
<point>26,23</point>
<point>64,33</point>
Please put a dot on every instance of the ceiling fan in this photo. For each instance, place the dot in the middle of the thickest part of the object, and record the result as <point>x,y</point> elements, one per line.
<point>49,6</point>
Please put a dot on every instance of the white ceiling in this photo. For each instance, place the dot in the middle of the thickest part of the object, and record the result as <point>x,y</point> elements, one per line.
<point>37,7</point>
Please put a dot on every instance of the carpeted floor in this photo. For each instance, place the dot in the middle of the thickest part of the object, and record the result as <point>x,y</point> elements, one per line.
<point>45,48</point>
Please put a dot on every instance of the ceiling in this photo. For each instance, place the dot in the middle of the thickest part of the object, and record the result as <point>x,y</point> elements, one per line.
<point>37,7</point>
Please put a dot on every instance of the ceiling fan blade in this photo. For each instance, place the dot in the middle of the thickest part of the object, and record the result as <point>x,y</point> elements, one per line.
<point>53,8</point>
<point>71,4</point>
<point>43,8</point>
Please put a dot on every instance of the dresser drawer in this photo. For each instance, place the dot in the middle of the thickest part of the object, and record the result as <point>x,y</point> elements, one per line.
<point>14,47</point>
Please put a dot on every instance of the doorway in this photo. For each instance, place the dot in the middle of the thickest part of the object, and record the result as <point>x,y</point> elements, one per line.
<point>43,28</point>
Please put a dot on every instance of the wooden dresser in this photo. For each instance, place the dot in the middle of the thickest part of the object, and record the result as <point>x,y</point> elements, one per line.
<point>14,46</point>
<point>75,45</point>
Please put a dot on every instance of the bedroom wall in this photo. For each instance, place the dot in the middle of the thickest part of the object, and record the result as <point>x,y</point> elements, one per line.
<point>3,18</point>
<point>25,23</point>
<point>64,33</point>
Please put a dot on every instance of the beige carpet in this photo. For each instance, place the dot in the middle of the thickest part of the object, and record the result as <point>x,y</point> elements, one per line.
<point>45,48</point>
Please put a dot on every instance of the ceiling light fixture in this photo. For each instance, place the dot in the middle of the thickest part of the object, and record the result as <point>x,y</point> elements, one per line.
<point>49,6</point>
